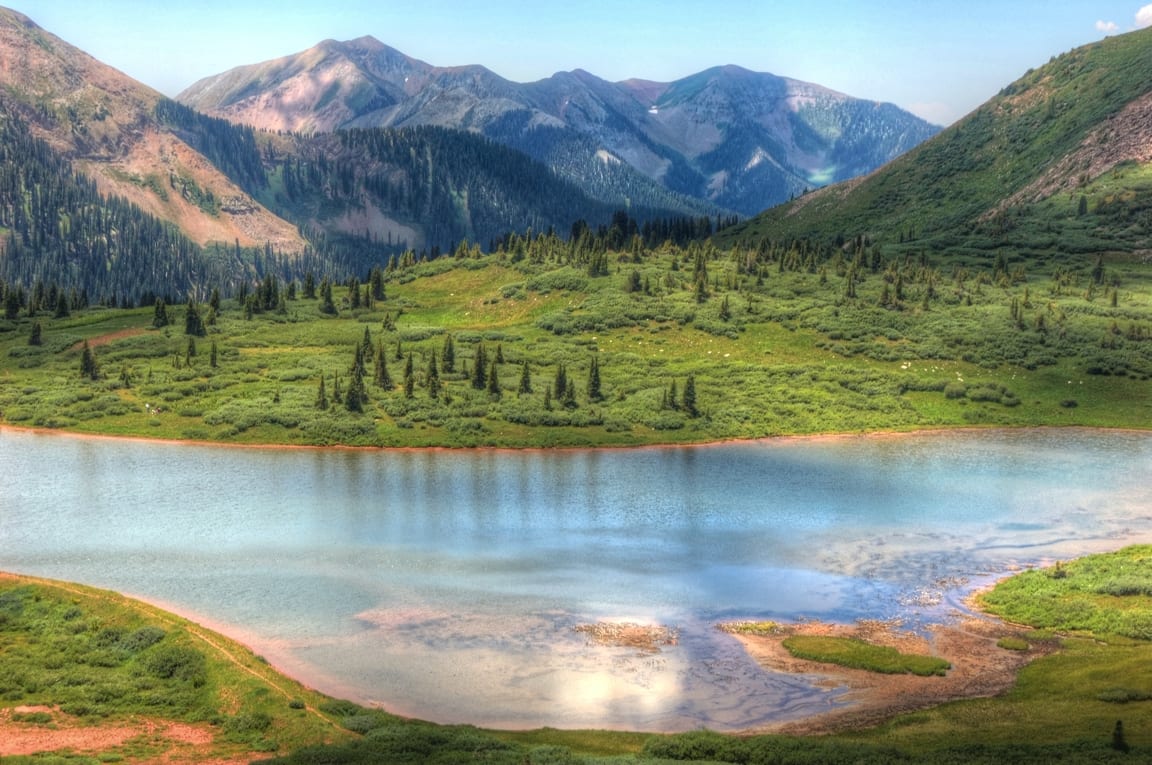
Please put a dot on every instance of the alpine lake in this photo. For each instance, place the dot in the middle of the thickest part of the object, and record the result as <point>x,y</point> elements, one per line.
<point>448,584</point>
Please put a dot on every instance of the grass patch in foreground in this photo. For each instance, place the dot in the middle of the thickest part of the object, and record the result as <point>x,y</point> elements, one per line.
<point>858,654</point>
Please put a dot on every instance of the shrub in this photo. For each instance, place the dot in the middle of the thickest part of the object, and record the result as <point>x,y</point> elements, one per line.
<point>176,662</point>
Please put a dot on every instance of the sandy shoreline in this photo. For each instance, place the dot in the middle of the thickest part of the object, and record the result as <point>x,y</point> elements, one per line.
<point>980,669</point>
<point>765,440</point>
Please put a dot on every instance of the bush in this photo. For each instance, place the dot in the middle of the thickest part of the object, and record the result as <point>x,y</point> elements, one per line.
<point>176,662</point>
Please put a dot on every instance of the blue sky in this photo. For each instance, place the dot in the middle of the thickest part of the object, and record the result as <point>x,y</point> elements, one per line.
<point>937,59</point>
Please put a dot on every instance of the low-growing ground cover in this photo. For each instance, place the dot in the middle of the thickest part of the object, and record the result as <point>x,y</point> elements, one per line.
<point>859,654</point>
<point>102,678</point>
<point>659,346</point>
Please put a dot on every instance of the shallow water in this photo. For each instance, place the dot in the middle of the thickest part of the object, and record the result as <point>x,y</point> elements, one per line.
<point>446,584</point>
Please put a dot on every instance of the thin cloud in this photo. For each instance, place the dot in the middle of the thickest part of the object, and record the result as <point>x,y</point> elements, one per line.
<point>1144,17</point>
<point>1109,27</point>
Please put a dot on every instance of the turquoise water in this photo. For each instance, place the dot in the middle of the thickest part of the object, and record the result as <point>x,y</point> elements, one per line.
<point>445,584</point>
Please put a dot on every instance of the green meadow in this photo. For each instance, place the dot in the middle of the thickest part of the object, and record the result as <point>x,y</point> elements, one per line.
<point>543,345</point>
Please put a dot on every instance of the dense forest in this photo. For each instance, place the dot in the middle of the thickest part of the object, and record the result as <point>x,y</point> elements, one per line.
<point>443,186</point>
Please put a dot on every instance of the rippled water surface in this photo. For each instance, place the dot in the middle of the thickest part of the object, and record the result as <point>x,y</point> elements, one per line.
<point>446,584</point>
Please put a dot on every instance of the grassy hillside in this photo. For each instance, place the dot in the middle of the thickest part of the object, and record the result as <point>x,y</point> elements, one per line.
<point>687,346</point>
<point>1011,174</point>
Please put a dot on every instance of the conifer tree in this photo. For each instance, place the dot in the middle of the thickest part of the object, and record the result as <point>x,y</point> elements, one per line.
<point>380,373</point>
<point>35,338</point>
<point>61,306</point>
<point>594,393</point>
<point>409,378</point>
<point>493,381</point>
<point>357,394</point>
<point>433,377</point>
<point>322,396</point>
<point>479,373</point>
<point>160,314</point>
<point>88,366</point>
<point>690,397</point>
<point>525,379</point>
<point>193,322</point>
<point>366,348</point>
<point>212,355</point>
<point>560,386</point>
<point>449,355</point>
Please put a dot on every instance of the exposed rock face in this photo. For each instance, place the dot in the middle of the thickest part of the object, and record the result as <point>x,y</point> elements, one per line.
<point>739,139</point>
<point>104,122</point>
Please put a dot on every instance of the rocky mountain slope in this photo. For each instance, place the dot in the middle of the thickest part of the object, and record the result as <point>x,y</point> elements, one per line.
<point>741,140</point>
<point>1059,160</point>
<point>104,122</point>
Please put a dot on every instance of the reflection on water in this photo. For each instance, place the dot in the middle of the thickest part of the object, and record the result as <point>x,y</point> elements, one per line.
<point>446,584</point>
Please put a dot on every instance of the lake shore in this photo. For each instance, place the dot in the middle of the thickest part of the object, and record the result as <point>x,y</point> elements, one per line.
<point>980,668</point>
<point>766,440</point>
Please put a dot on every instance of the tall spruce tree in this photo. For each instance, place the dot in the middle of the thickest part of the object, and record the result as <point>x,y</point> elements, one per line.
<point>594,393</point>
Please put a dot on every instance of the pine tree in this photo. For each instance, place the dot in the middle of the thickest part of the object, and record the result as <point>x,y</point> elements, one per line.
<point>409,377</point>
<point>322,396</point>
<point>493,381</point>
<point>449,355</point>
<point>594,393</point>
<point>35,338</point>
<point>61,307</point>
<point>525,379</point>
<point>380,373</point>
<point>160,314</point>
<point>1119,743</point>
<point>88,366</point>
<point>190,351</point>
<point>193,322</point>
<point>212,356</point>
<point>366,348</point>
<point>433,377</point>
<point>690,397</point>
<point>560,386</point>
<point>479,373</point>
<point>357,394</point>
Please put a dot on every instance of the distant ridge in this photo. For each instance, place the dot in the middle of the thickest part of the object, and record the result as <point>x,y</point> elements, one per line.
<point>737,139</point>
<point>1060,160</point>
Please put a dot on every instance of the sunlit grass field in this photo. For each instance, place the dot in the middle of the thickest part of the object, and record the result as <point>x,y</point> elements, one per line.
<point>801,342</point>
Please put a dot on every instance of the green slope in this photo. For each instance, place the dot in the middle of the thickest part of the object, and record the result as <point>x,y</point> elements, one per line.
<point>1058,126</point>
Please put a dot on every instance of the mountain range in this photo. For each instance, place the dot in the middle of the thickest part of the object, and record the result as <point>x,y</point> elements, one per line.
<point>110,187</point>
<point>741,140</point>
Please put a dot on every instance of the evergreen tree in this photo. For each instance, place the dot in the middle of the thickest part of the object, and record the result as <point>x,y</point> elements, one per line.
<point>357,394</point>
<point>88,366</point>
<point>494,381</point>
<point>1119,743</point>
<point>380,373</point>
<point>673,396</point>
<point>190,351</point>
<point>34,338</point>
<point>433,377</point>
<point>193,322</point>
<point>499,353</point>
<point>525,379</point>
<point>214,300</point>
<point>690,397</point>
<point>560,386</point>
<point>322,396</point>
<point>479,373</point>
<point>160,314</point>
<point>327,306</point>
<point>594,393</point>
<point>309,286</point>
<point>409,378</point>
<point>366,348</point>
<point>61,307</point>
<point>569,398</point>
<point>449,355</point>
<point>11,304</point>
<point>212,355</point>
